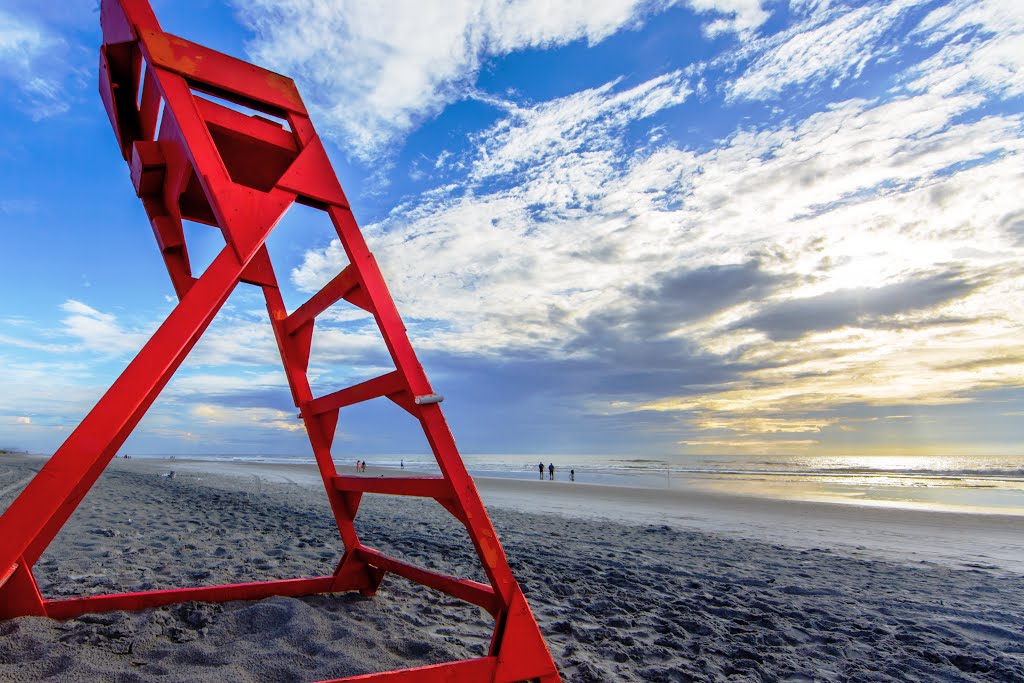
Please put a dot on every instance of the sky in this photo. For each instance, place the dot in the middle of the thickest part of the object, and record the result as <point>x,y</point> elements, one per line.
<point>638,227</point>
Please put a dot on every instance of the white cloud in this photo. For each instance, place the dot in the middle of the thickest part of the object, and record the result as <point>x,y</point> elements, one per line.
<point>589,120</point>
<point>20,42</point>
<point>232,381</point>
<point>832,46</point>
<point>236,339</point>
<point>17,206</point>
<point>802,8</point>
<point>984,48</point>
<point>32,63</point>
<point>373,71</point>
<point>100,332</point>
<point>43,397</point>
<point>764,446</point>
<point>742,16</point>
<point>23,343</point>
<point>476,246</point>
<point>860,194</point>
<point>220,417</point>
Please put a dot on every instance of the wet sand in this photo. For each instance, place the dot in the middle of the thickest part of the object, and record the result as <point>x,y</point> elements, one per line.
<point>627,585</point>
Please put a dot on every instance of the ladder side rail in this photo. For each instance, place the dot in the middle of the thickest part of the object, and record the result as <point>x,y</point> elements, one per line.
<point>483,535</point>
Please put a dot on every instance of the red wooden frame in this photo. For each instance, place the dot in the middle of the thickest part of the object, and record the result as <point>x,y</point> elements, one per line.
<point>194,159</point>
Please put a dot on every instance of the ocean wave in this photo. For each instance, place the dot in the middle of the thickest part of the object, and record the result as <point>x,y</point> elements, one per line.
<point>986,472</point>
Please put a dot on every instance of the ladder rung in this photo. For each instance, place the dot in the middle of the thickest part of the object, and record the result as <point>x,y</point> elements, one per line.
<point>472,592</point>
<point>390,383</point>
<point>343,283</point>
<point>425,487</point>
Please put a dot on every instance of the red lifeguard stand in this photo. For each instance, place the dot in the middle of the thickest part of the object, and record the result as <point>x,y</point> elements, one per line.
<point>194,159</point>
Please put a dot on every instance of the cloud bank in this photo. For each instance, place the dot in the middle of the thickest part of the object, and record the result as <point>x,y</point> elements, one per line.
<point>374,71</point>
<point>864,254</point>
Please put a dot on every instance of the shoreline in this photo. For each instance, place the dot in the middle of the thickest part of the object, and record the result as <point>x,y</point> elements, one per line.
<point>968,492</point>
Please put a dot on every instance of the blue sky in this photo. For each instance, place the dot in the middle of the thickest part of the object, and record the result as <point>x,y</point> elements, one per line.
<point>626,226</point>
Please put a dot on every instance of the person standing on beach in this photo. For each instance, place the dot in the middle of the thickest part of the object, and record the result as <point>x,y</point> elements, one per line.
<point>551,472</point>
<point>572,475</point>
<point>540,468</point>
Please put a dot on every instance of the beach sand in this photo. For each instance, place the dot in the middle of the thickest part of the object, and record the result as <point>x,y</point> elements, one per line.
<point>627,585</point>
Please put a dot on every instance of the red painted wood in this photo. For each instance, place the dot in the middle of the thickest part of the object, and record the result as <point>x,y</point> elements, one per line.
<point>221,75</point>
<point>241,173</point>
<point>19,594</point>
<point>73,607</point>
<point>391,383</point>
<point>425,487</point>
<point>467,671</point>
<point>237,123</point>
<point>471,591</point>
<point>340,285</point>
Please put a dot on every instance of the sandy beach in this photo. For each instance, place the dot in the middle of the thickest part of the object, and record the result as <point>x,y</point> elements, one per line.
<point>627,584</point>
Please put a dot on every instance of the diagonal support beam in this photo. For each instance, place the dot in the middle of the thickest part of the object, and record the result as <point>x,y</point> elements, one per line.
<point>479,594</point>
<point>73,607</point>
<point>343,284</point>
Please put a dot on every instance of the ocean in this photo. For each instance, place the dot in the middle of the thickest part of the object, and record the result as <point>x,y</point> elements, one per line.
<point>993,484</point>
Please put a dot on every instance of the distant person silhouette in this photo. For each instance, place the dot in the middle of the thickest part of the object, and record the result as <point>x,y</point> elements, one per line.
<point>572,475</point>
<point>551,471</point>
<point>540,468</point>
